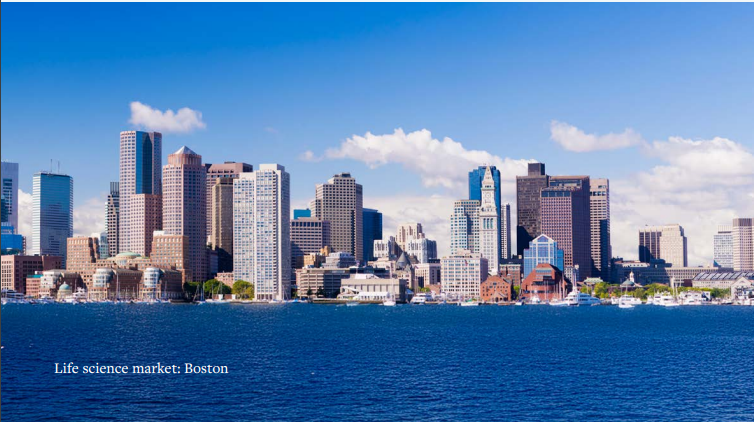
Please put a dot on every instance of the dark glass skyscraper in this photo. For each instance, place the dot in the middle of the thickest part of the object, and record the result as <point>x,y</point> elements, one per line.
<point>372,231</point>
<point>528,190</point>
<point>52,214</point>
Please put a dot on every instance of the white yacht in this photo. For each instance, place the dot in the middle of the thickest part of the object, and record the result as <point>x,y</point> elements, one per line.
<point>667,300</point>
<point>576,298</point>
<point>469,303</point>
<point>691,298</point>
<point>419,299</point>
<point>628,299</point>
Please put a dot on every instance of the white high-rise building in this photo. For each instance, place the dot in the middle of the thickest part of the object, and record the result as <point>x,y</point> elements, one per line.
<point>10,191</point>
<point>462,274</point>
<point>407,231</point>
<point>464,226</point>
<point>723,246</point>
<point>489,232</point>
<point>422,249</point>
<point>743,244</point>
<point>384,248</point>
<point>673,245</point>
<point>140,174</point>
<point>261,231</point>
<point>505,230</point>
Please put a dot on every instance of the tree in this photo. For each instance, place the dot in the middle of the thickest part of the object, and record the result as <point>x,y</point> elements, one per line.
<point>190,288</point>
<point>320,292</point>
<point>214,286</point>
<point>243,289</point>
<point>309,293</point>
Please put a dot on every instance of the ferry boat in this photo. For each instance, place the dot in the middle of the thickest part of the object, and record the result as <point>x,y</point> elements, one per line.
<point>419,299</point>
<point>576,298</point>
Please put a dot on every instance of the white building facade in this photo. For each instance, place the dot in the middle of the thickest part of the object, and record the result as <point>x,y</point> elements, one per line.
<point>462,274</point>
<point>489,232</point>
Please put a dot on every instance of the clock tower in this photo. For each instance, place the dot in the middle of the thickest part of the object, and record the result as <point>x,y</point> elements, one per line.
<point>489,232</point>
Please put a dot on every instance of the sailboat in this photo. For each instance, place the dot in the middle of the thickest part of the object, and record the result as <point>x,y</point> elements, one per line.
<point>389,301</point>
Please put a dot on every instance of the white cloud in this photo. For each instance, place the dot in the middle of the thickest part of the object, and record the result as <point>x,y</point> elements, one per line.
<point>443,163</point>
<point>25,203</point>
<point>574,139</point>
<point>309,156</point>
<point>184,121</point>
<point>700,185</point>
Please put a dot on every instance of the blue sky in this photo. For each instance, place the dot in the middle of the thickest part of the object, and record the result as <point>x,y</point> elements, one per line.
<point>275,81</point>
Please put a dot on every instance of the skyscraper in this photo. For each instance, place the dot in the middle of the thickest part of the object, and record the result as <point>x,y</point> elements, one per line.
<point>226,170</point>
<point>261,231</point>
<point>464,226</point>
<point>406,232</point>
<point>528,190</point>
<point>599,210</point>
<point>649,243</point>
<point>221,216</point>
<point>723,246</point>
<point>476,178</point>
<point>565,218</point>
<point>52,214</point>
<point>339,201</point>
<point>140,174</point>
<point>505,230</point>
<point>113,219</point>
<point>743,244</point>
<point>10,191</point>
<point>674,246</point>
<point>542,250</point>
<point>184,206</point>
<point>489,220</point>
<point>308,235</point>
<point>372,231</point>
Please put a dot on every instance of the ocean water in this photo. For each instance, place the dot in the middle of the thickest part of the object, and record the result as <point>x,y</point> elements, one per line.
<point>365,363</point>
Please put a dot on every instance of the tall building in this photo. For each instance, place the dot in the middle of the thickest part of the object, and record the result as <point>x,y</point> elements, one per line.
<point>723,246</point>
<point>340,201</point>
<point>16,268</point>
<point>505,231</point>
<point>385,248</point>
<point>542,250</point>
<point>52,214</point>
<point>674,246</point>
<point>462,274</point>
<point>146,218</point>
<point>221,217</point>
<point>308,236</point>
<point>184,206</point>
<point>649,243</point>
<point>599,210</point>
<point>489,220</point>
<point>743,244</point>
<point>464,226</point>
<point>408,231</point>
<point>372,231</point>
<point>140,174</point>
<point>226,170</point>
<point>565,218</point>
<point>527,205</point>
<point>12,242</point>
<point>261,230</point>
<point>422,249</point>
<point>104,250</point>
<point>9,174</point>
<point>113,219</point>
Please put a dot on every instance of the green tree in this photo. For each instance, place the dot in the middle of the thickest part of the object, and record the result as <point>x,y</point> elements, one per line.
<point>190,288</point>
<point>214,286</point>
<point>243,289</point>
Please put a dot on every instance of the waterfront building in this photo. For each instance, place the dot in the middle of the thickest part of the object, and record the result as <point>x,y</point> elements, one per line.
<point>657,272</point>
<point>512,272</point>
<point>300,213</point>
<point>116,284</point>
<point>228,170</point>
<point>422,249</point>
<point>743,244</point>
<point>308,236</point>
<point>9,176</point>
<point>158,283</point>
<point>221,222</point>
<point>599,211</point>
<point>565,218</point>
<point>649,243</point>
<point>406,232</point>
<point>82,250</point>
<point>427,274</point>
<point>720,280</point>
<point>32,284</point>
<point>464,226</point>
<point>496,289</point>
<point>673,246</point>
<point>113,219</point>
<point>184,206</point>
<point>340,260</point>
<point>261,231</point>
<point>546,283</point>
<point>528,191</point>
<point>52,281</point>
<point>16,268</point>
<point>372,231</point>
<point>371,287</point>
<point>489,221</point>
<point>723,246</point>
<point>226,278</point>
<point>543,250</point>
<point>385,248</point>
<point>171,251</point>
<point>140,175</point>
<point>340,201</point>
<point>320,282</point>
<point>462,274</point>
<point>12,242</point>
<point>52,214</point>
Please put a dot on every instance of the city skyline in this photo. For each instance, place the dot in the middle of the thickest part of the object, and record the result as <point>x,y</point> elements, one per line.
<point>657,161</point>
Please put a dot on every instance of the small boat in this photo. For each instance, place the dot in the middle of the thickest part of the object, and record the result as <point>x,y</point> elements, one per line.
<point>470,303</point>
<point>625,305</point>
<point>576,298</point>
<point>352,303</point>
<point>419,299</point>
<point>388,302</point>
<point>519,303</point>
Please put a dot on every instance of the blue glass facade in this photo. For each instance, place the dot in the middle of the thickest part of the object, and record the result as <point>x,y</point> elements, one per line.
<point>302,213</point>
<point>52,214</point>
<point>372,225</point>
<point>475,184</point>
<point>542,250</point>
<point>9,239</point>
